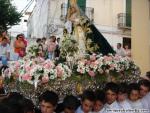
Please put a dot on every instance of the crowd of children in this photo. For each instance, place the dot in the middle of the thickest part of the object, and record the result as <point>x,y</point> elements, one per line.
<point>113,98</point>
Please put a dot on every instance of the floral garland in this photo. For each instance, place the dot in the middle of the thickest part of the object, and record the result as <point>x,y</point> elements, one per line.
<point>93,67</point>
<point>38,70</point>
<point>98,66</point>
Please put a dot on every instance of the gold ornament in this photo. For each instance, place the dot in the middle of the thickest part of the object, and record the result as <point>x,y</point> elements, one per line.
<point>79,88</point>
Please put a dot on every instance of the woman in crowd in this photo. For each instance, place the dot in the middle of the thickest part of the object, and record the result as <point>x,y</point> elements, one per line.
<point>20,45</point>
<point>127,51</point>
<point>51,46</point>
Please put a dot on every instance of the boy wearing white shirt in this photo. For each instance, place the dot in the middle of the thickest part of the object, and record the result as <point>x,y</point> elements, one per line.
<point>87,102</point>
<point>134,97</point>
<point>144,87</point>
<point>146,102</point>
<point>122,98</point>
<point>111,91</point>
<point>99,102</point>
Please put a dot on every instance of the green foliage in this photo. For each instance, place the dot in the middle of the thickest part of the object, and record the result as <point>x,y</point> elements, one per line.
<point>33,51</point>
<point>8,14</point>
<point>69,47</point>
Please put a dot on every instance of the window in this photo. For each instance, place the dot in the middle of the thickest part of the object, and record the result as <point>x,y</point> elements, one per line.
<point>128,13</point>
<point>81,4</point>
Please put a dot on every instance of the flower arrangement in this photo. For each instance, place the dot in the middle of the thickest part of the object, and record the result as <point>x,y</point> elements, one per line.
<point>93,68</point>
<point>69,46</point>
<point>99,66</point>
<point>39,70</point>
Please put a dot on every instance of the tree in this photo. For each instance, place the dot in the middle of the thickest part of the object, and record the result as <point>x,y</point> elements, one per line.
<point>9,15</point>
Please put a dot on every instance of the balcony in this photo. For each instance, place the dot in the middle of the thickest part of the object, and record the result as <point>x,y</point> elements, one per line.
<point>124,21</point>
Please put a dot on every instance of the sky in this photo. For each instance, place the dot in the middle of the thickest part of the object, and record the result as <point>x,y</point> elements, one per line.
<point>22,27</point>
<point>20,4</point>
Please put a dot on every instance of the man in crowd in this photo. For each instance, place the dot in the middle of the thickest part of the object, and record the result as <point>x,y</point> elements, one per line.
<point>4,51</point>
<point>120,51</point>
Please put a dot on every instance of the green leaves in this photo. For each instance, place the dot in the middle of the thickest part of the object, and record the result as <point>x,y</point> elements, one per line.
<point>69,46</point>
<point>9,15</point>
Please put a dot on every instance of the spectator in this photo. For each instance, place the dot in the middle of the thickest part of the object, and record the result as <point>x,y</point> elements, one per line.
<point>57,50</point>
<point>3,33</point>
<point>127,51</point>
<point>20,45</point>
<point>4,51</point>
<point>51,47</point>
<point>120,51</point>
<point>39,41</point>
<point>41,51</point>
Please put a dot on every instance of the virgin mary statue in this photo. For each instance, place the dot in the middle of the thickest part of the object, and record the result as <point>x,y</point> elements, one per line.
<point>89,39</point>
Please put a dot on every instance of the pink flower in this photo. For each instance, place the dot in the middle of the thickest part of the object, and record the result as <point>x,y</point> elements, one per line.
<point>91,73</point>
<point>112,66</point>
<point>45,79</point>
<point>47,66</point>
<point>59,71</point>
<point>93,57</point>
<point>93,64</point>
<point>17,65</point>
<point>108,58</point>
<point>27,68</point>
<point>81,71</point>
<point>117,57</point>
<point>26,77</point>
<point>88,62</point>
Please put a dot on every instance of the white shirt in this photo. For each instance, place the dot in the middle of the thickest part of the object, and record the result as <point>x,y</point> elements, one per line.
<point>4,50</point>
<point>79,110</point>
<point>136,105</point>
<point>110,108</point>
<point>146,102</point>
<point>120,52</point>
<point>101,111</point>
<point>125,105</point>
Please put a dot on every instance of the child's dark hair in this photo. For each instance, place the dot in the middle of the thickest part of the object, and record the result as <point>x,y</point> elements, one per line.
<point>122,88</point>
<point>50,97</point>
<point>111,86</point>
<point>100,96</point>
<point>71,102</point>
<point>133,86</point>
<point>145,83</point>
<point>89,95</point>
<point>28,106</point>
